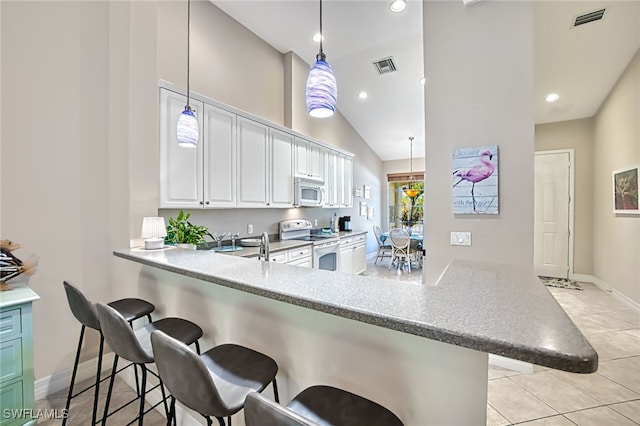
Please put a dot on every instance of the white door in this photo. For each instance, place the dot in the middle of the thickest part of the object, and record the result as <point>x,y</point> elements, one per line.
<point>551,217</point>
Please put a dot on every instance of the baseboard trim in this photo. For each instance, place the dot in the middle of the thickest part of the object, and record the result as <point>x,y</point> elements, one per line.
<point>59,380</point>
<point>86,370</point>
<point>510,364</point>
<point>606,288</point>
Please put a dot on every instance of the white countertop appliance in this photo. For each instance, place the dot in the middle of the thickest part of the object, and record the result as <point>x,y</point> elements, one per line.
<point>326,245</point>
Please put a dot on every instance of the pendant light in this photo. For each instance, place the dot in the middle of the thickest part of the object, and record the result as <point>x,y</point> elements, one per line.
<point>410,191</point>
<point>187,131</point>
<point>322,93</point>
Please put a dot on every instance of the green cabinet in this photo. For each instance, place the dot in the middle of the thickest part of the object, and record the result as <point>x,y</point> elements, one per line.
<point>16,358</point>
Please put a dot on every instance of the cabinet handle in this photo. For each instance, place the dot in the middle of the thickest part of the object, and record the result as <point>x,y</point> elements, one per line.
<point>201,203</point>
<point>207,203</point>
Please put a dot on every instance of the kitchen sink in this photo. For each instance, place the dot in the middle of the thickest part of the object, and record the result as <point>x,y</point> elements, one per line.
<point>226,249</point>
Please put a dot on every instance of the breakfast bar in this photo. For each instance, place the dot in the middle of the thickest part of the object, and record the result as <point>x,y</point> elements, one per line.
<point>419,350</point>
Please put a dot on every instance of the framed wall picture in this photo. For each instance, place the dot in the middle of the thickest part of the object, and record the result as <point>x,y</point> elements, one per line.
<point>475,180</point>
<point>625,190</point>
<point>366,189</point>
<point>370,213</point>
<point>363,208</point>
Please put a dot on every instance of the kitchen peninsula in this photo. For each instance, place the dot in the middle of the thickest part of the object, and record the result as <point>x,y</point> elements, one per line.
<point>419,350</point>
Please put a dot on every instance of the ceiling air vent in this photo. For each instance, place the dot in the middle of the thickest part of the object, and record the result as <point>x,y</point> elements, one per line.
<point>385,66</point>
<point>588,17</point>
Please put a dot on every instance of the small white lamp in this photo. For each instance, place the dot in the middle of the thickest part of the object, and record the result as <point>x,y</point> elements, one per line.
<point>153,232</point>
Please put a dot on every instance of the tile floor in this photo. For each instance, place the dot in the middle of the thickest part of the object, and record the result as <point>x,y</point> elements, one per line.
<point>546,397</point>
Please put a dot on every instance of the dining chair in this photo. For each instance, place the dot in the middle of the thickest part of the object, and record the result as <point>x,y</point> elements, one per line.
<point>384,248</point>
<point>402,250</point>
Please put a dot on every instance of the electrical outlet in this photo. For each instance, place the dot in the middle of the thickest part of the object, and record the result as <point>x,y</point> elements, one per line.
<point>461,238</point>
<point>249,229</point>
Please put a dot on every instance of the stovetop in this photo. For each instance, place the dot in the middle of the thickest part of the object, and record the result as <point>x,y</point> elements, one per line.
<point>302,230</point>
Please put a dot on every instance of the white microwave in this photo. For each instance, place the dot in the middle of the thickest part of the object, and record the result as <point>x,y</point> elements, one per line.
<point>308,192</point>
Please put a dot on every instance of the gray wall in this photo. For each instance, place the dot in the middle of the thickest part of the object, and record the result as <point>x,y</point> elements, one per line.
<point>80,138</point>
<point>616,251</point>
<point>479,68</point>
<point>578,135</point>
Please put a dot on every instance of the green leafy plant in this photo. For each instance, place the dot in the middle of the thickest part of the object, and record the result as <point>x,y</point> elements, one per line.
<point>181,231</point>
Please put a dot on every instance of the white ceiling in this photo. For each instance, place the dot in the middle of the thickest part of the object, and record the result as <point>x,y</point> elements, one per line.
<point>581,64</point>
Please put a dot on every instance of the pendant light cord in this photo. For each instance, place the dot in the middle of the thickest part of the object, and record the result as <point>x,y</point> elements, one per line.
<point>411,163</point>
<point>321,54</point>
<point>188,45</point>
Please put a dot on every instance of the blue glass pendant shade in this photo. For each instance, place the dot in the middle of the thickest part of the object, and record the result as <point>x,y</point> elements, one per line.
<point>322,92</point>
<point>187,129</point>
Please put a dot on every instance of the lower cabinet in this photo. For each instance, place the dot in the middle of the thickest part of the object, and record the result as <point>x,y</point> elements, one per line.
<point>16,360</point>
<point>300,256</point>
<point>353,254</point>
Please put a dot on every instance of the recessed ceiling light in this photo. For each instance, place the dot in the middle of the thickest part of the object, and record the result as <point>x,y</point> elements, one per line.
<point>423,80</point>
<point>363,95</point>
<point>317,38</point>
<point>552,97</point>
<point>397,5</point>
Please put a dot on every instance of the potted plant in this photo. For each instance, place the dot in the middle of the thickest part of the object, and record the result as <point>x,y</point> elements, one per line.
<point>183,233</point>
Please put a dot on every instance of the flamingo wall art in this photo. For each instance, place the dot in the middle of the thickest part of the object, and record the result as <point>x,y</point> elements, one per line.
<point>475,180</point>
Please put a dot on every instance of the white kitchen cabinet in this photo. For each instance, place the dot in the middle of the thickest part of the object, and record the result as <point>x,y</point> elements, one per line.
<point>346,255</point>
<point>281,168</point>
<point>345,181</point>
<point>331,179</point>
<point>203,176</point>
<point>360,254</point>
<point>181,169</point>
<point>300,256</point>
<point>253,178</point>
<point>219,145</point>
<point>353,254</point>
<point>309,159</point>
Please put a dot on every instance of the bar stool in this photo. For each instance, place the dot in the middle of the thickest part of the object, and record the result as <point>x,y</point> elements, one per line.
<point>215,383</point>
<point>135,347</point>
<point>85,312</point>
<point>318,405</point>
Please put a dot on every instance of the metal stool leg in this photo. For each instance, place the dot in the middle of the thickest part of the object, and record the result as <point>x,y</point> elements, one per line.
<point>113,376</point>
<point>97,389</point>
<point>275,390</point>
<point>144,389</point>
<point>73,375</point>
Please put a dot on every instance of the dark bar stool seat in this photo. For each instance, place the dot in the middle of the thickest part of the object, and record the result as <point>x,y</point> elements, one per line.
<point>85,312</point>
<point>318,405</point>
<point>135,347</point>
<point>215,383</point>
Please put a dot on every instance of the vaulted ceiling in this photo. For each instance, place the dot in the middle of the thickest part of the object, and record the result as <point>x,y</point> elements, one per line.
<point>581,63</point>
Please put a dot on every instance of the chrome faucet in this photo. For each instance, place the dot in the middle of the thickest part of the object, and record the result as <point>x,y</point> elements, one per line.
<point>264,247</point>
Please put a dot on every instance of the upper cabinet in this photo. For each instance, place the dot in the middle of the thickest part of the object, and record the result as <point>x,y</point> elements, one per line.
<point>309,159</point>
<point>281,167</point>
<point>181,169</point>
<point>253,152</point>
<point>242,162</point>
<point>220,157</point>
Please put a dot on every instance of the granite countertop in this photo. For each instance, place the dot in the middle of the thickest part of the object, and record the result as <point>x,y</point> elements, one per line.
<point>494,308</point>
